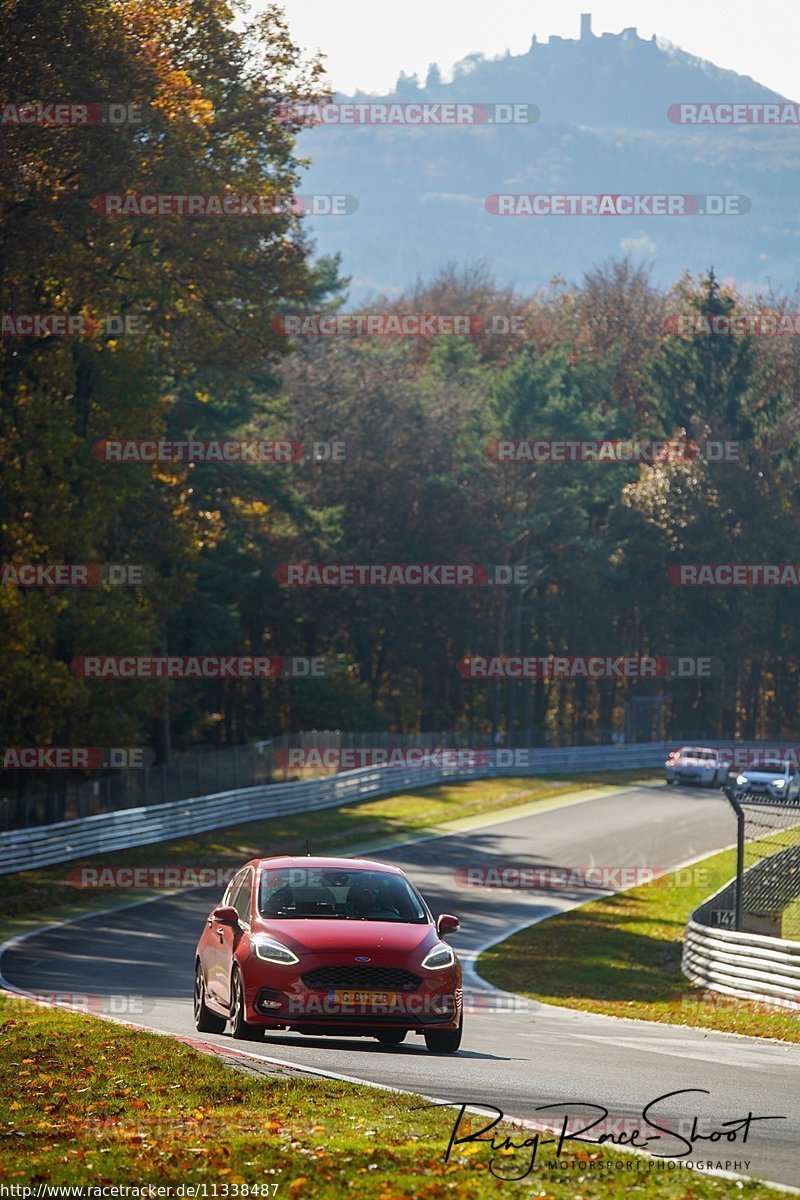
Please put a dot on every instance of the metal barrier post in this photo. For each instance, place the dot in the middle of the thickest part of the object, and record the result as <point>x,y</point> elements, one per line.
<point>737,808</point>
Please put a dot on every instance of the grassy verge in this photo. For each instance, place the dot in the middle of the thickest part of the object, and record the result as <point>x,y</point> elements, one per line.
<point>86,1102</point>
<point>790,921</point>
<point>28,896</point>
<point>622,956</point>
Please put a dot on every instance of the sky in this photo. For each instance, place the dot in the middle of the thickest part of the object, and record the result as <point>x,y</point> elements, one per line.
<point>369,42</point>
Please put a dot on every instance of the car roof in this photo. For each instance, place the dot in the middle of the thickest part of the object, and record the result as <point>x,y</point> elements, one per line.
<point>698,749</point>
<point>325,864</point>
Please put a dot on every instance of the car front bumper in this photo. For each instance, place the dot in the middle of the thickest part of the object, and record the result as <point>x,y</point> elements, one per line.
<point>692,775</point>
<point>307,1009</point>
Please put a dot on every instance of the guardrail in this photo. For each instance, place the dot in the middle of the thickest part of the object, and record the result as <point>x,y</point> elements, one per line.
<point>44,845</point>
<point>201,772</point>
<point>747,965</point>
<point>197,772</point>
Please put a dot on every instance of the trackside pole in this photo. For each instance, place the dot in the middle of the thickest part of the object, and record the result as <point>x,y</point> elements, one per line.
<point>737,808</point>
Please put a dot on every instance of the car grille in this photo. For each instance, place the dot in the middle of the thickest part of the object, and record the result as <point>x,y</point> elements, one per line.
<point>353,975</point>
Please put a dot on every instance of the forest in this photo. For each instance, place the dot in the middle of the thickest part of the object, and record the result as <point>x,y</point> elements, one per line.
<point>175,328</point>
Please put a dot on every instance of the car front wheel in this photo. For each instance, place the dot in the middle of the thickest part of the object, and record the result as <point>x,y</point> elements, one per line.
<point>391,1037</point>
<point>444,1041</point>
<point>241,1029</point>
<point>205,1021</point>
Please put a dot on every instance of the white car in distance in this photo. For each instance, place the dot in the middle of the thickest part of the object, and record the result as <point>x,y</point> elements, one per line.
<point>781,783</point>
<point>696,764</point>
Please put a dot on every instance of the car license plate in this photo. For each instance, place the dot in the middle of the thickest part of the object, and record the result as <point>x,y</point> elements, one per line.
<point>381,998</point>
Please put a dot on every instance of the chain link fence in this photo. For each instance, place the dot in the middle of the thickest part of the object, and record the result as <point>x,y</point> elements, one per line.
<point>200,774</point>
<point>770,881</point>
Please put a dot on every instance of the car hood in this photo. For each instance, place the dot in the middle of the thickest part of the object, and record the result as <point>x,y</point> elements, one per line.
<point>762,776</point>
<point>328,936</point>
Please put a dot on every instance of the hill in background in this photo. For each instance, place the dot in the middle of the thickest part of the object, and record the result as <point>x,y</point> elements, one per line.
<point>603,128</point>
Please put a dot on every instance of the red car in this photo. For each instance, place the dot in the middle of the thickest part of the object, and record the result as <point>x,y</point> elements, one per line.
<point>331,946</point>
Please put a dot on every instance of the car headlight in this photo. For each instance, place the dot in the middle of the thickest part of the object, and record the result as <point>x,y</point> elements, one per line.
<point>741,780</point>
<point>440,956</point>
<point>779,783</point>
<point>274,952</point>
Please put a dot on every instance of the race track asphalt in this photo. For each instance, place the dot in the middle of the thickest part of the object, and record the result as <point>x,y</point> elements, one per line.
<point>516,1058</point>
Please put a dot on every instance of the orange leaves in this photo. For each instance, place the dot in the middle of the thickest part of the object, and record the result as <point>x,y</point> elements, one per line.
<point>155,28</point>
<point>178,97</point>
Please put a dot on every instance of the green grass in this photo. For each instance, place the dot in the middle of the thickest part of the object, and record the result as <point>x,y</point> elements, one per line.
<point>83,1101</point>
<point>28,897</point>
<point>622,956</point>
<point>790,921</point>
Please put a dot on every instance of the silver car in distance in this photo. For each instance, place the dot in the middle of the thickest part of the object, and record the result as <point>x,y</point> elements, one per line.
<point>696,764</point>
<point>781,782</point>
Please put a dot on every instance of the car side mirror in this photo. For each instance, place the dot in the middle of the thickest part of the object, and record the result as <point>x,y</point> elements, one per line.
<point>226,915</point>
<point>447,924</point>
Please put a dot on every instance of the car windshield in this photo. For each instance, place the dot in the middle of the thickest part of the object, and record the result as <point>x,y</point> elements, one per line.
<point>698,754</point>
<point>346,895</point>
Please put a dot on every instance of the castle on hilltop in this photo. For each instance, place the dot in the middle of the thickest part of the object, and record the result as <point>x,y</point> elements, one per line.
<point>588,36</point>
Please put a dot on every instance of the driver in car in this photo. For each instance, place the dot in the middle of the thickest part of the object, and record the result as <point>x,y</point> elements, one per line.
<point>370,902</point>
